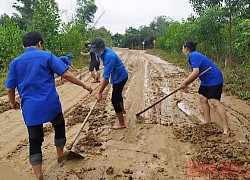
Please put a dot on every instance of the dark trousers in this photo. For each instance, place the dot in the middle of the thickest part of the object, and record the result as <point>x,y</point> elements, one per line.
<point>36,138</point>
<point>117,98</point>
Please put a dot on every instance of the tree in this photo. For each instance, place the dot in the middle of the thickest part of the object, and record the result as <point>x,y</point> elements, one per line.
<point>103,33</point>
<point>118,40</point>
<point>207,30</point>
<point>200,6</point>
<point>10,42</point>
<point>26,9</point>
<point>86,10</point>
<point>159,24</point>
<point>47,21</point>
<point>174,36</point>
<point>132,38</point>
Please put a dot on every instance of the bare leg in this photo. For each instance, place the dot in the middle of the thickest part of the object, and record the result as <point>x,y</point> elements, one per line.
<point>98,75</point>
<point>59,151</point>
<point>121,123</point>
<point>93,75</point>
<point>206,109</point>
<point>221,111</point>
<point>38,171</point>
<point>122,106</point>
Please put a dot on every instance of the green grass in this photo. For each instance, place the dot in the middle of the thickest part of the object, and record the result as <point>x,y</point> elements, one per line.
<point>80,61</point>
<point>236,79</point>
<point>3,76</point>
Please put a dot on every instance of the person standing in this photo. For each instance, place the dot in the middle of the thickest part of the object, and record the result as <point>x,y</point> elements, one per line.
<point>114,70</point>
<point>211,83</point>
<point>32,73</point>
<point>94,63</point>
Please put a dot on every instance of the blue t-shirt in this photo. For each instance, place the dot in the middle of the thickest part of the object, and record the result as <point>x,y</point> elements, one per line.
<point>213,76</point>
<point>113,67</point>
<point>32,73</point>
<point>65,60</point>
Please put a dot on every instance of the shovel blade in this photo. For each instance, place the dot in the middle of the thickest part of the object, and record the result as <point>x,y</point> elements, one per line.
<point>69,156</point>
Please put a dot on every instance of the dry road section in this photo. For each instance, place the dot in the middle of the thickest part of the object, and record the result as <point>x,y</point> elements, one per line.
<point>165,142</point>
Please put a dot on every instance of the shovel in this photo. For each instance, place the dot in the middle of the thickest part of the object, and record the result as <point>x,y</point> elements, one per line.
<point>70,154</point>
<point>171,93</point>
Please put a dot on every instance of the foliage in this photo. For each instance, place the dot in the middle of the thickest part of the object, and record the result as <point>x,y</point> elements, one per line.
<point>237,81</point>
<point>174,36</point>
<point>133,37</point>
<point>69,40</point>
<point>200,6</point>
<point>117,40</point>
<point>242,41</point>
<point>104,34</point>
<point>47,20</point>
<point>86,10</point>
<point>26,9</point>
<point>10,42</point>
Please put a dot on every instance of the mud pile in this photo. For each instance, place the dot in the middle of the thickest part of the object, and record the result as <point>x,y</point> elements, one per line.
<point>216,153</point>
<point>4,106</point>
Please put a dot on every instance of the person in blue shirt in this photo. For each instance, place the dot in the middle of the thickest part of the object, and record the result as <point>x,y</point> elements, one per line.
<point>66,61</point>
<point>114,70</point>
<point>94,63</point>
<point>211,83</point>
<point>32,73</point>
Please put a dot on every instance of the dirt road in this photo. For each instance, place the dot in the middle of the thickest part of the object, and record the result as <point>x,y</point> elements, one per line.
<point>160,144</point>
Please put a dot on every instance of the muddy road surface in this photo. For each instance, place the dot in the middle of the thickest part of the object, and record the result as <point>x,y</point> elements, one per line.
<point>165,142</point>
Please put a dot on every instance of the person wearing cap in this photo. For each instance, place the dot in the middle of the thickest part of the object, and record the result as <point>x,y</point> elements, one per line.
<point>94,63</point>
<point>114,70</point>
<point>211,83</point>
<point>32,73</point>
<point>66,61</point>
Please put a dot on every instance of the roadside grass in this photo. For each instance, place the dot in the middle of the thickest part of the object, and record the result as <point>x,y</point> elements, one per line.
<point>236,79</point>
<point>3,76</point>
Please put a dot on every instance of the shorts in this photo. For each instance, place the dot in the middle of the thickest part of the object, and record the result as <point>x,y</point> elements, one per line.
<point>211,92</point>
<point>94,65</point>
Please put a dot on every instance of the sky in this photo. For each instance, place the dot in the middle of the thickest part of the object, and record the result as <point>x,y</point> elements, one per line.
<point>117,15</point>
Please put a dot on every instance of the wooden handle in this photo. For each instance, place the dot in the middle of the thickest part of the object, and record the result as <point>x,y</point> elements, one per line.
<point>83,124</point>
<point>171,93</point>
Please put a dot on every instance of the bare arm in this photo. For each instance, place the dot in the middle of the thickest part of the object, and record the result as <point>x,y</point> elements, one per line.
<point>104,83</point>
<point>85,54</point>
<point>13,103</point>
<point>190,78</point>
<point>71,78</point>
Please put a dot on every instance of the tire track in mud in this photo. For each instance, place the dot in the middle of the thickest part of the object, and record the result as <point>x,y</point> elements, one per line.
<point>214,148</point>
<point>141,156</point>
<point>161,78</point>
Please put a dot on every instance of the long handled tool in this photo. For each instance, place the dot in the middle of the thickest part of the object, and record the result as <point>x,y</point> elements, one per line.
<point>171,93</point>
<point>70,154</point>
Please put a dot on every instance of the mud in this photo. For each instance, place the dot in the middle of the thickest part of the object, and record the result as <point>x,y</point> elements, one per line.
<point>165,142</point>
